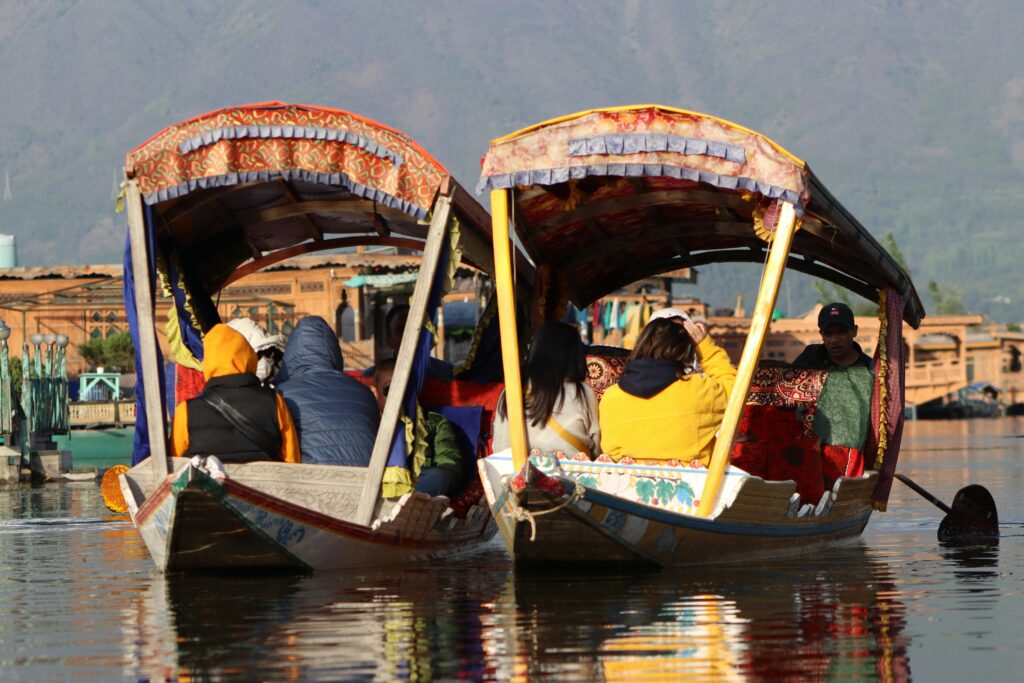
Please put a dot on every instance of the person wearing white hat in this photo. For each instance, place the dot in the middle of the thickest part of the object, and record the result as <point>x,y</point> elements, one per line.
<point>662,408</point>
<point>269,348</point>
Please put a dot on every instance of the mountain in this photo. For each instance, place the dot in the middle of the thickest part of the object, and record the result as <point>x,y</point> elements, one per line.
<point>911,112</point>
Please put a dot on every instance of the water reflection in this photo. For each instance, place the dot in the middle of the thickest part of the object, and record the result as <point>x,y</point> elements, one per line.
<point>830,616</point>
<point>81,601</point>
<point>833,615</point>
<point>976,559</point>
<point>419,624</point>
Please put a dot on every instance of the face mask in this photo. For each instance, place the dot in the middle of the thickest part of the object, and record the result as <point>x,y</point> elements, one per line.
<point>267,365</point>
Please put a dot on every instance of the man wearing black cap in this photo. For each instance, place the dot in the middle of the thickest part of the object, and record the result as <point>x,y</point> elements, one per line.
<point>842,418</point>
<point>838,329</point>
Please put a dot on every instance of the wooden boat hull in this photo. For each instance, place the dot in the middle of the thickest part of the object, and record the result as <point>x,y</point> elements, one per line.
<point>567,514</point>
<point>194,521</point>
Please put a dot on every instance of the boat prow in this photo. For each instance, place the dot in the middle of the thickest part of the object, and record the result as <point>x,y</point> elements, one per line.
<point>594,512</point>
<point>284,516</point>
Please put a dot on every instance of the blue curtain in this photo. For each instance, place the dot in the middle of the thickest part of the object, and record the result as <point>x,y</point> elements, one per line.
<point>140,446</point>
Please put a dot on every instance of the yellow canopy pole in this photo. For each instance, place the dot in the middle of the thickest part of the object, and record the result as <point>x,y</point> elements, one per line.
<point>507,324</point>
<point>748,361</point>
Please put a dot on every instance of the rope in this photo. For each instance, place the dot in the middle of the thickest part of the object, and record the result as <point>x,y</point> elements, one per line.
<point>521,515</point>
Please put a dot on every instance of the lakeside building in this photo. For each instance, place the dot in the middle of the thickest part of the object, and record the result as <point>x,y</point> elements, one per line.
<point>946,354</point>
<point>354,290</point>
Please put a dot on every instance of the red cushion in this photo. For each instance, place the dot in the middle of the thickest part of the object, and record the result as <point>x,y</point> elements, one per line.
<point>840,461</point>
<point>460,392</point>
<point>771,444</point>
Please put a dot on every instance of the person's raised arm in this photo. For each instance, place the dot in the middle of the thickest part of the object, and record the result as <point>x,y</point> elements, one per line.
<point>713,359</point>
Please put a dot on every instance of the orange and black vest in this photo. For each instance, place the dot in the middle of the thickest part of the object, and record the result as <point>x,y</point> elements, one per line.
<point>211,434</point>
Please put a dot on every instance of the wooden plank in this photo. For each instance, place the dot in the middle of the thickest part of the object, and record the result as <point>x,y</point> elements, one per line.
<point>752,514</point>
<point>763,310</point>
<point>749,252</point>
<point>281,254</point>
<point>655,233</point>
<point>147,332</point>
<point>362,207</point>
<point>643,201</point>
<point>312,230</point>
<point>437,239</point>
<point>189,203</point>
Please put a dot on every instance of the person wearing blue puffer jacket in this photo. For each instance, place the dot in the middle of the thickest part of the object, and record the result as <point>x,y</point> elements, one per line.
<point>336,416</point>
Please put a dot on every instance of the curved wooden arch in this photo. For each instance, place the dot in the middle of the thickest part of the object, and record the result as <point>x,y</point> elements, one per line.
<point>308,247</point>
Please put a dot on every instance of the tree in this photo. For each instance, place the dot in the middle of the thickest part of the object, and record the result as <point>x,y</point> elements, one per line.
<point>946,300</point>
<point>115,352</point>
<point>828,292</point>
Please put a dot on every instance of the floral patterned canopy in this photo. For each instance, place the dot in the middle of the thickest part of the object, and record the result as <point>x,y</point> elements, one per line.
<point>238,183</point>
<point>610,196</point>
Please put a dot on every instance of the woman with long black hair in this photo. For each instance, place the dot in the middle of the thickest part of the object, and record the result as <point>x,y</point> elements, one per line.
<point>561,411</point>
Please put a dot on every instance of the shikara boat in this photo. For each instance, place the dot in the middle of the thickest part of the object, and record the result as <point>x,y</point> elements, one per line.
<point>603,198</point>
<point>230,192</point>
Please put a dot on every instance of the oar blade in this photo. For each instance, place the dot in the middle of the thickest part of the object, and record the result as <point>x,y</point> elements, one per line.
<point>973,513</point>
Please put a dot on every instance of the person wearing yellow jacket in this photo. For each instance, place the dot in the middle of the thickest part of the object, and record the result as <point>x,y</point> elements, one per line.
<point>201,428</point>
<point>662,408</point>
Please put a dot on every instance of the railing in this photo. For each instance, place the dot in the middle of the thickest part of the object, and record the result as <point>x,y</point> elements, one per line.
<point>102,413</point>
<point>935,373</point>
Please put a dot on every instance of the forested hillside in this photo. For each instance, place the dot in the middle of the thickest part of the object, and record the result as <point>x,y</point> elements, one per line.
<point>911,112</point>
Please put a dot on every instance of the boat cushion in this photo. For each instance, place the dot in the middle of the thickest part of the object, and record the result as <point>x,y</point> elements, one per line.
<point>840,461</point>
<point>771,443</point>
<point>787,387</point>
<point>462,401</point>
<point>604,371</point>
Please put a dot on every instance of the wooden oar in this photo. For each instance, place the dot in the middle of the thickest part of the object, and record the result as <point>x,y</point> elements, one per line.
<point>973,512</point>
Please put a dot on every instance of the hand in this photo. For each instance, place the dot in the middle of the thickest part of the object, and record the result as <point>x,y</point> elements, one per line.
<point>698,331</point>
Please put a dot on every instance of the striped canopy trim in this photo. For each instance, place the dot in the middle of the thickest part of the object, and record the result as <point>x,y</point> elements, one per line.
<point>553,176</point>
<point>636,143</point>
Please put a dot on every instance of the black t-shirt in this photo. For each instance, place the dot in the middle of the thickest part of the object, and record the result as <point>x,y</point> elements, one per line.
<point>815,357</point>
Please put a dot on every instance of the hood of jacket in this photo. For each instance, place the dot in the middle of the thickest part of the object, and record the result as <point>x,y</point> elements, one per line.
<point>257,337</point>
<point>312,347</point>
<point>648,377</point>
<point>226,352</point>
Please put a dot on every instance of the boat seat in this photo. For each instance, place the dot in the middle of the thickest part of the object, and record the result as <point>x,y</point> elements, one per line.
<point>469,406</point>
<point>775,438</point>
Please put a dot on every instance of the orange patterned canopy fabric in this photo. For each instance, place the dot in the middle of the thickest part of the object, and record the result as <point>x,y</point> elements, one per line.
<point>646,140</point>
<point>270,140</point>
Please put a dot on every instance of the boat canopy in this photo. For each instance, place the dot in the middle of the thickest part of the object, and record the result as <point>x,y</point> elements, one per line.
<point>241,188</point>
<point>609,196</point>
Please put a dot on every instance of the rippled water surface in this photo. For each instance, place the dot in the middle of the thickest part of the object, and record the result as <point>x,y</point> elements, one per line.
<point>81,601</point>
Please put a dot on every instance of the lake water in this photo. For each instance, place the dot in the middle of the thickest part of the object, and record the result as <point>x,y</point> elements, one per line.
<point>82,602</point>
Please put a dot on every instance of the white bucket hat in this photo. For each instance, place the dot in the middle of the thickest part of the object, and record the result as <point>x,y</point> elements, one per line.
<point>669,313</point>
